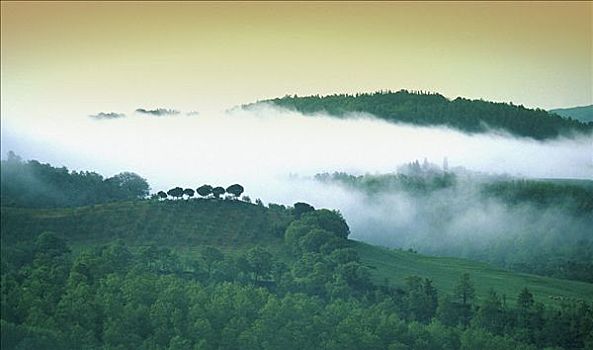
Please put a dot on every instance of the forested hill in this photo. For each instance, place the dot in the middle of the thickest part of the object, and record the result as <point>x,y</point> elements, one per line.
<point>214,273</point>
<point>472,116</point>
<point>219,272</point>
<point>583,113</point>
<point>31,184</point>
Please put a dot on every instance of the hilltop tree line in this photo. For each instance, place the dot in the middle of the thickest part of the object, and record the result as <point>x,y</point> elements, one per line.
<point>33,184</point>
<point>421,108</point>
<point>205,191</point>
<point>316,295</point>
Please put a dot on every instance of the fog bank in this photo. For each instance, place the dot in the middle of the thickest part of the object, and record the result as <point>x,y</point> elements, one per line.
<point>273,153</point>
<point>263,145</point>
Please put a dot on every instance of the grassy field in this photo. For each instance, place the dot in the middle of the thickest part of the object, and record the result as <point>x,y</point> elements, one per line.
<point>234,226</point>
<point>394,266</point>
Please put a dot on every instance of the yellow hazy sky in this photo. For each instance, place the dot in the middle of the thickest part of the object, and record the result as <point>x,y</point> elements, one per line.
<point>87,57</point>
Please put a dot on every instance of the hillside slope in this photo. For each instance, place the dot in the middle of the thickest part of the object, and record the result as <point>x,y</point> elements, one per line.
<point>431,109</point>
<point>393,266</point>
<point>582,113</point>
<point>236,226</point>
<point>180,223</point>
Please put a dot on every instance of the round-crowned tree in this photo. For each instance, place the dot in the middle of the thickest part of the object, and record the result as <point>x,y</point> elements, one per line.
<point>259,262</point>
<point>129,185</point>
<point>235,190</point>
<point>204,190</point>
<point>218,191</point>
<point>301,208</point>
<point>162,194</point>
<point>188,192</point>
<point>176,192</point>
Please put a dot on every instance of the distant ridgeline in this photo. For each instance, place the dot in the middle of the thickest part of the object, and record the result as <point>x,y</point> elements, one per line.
<point>576,196</point>
<point>583,113</point>
<point>419,108</point>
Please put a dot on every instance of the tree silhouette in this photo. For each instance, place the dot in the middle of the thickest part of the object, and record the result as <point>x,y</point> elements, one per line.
<point>300,208</point>
<point>162,194</point>
<point>464,293</point>
<point>204,190</point>
<point>259,262</point>
<point>218,191</point>
<point>176,192</point>
<point>525,300</point>
<point>188,192</point>
<point>130,184</point>
<point>235,190</point>
<point>464,289</point>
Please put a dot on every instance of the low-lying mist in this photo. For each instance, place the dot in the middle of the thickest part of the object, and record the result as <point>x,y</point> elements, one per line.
<point>456,220</point>
<point>273,153</point>
<point>266,143</point>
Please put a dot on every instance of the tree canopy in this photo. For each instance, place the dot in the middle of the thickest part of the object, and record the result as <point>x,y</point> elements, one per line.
<point>235,190</point>
<point>36,185</point>
<point>176,192</point>
<point>218,191</point>
<point>422,108</point>
<point>204,190</point>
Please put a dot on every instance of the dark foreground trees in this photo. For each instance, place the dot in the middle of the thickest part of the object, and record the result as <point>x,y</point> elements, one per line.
<point>307,289</point>
<point>119,297</point>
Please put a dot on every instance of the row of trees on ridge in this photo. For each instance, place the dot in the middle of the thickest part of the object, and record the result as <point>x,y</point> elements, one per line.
<point>205,191</point>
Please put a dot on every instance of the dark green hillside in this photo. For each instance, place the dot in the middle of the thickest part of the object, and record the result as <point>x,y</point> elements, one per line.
<point>178,223</point>
<point>224,274</point>
<point>232,225</point>
<point>583,113</point>
<point>395,265</point>
<point>473,116</point>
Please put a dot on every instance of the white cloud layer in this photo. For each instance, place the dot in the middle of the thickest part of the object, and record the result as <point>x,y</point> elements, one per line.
<point>272,151</point>
<point>260,145</point>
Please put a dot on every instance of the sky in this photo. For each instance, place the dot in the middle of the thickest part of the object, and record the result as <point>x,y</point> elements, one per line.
<point>83,57</point>
<point>64,61</point>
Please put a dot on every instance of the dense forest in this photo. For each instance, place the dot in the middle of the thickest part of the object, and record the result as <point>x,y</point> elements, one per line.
<point>420,108</point>
<point>175,271</point>
<point>307,290</point>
